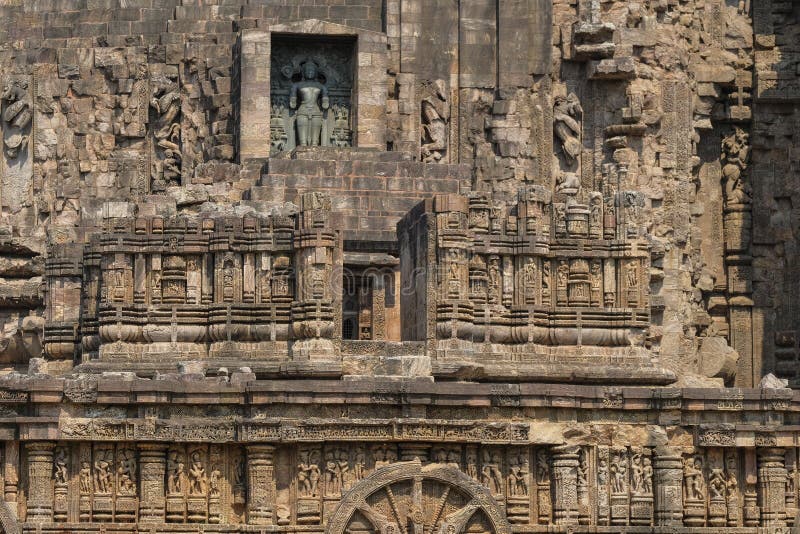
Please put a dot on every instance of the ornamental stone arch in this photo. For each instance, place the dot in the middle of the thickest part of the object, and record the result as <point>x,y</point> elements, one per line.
<point>409,498</point>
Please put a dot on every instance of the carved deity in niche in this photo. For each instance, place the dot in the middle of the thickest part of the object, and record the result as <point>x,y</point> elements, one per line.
<point>310,98</point>
<point>311,88</point>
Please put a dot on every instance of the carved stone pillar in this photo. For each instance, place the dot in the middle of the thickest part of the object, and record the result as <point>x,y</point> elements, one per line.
<point>565,485</point>
<point>152,471</point>
<point>668,474</point>
<point>260,484</point>
<point>11,472</point>
<point>313,318</point>
<point>772,487</point>
<point>40,489</point>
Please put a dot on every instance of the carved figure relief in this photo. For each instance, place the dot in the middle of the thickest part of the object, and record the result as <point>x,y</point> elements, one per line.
<point>567,112</point>
<point>491,471</point>
<point>102,472</point>
<point>198,479</point>
<point>435,111</point>
<point>693,479</point>
<point>85,478</point>
<point>60,475</point>
<point>735,157</point>
<point>309,97</point>
<point>165,101</point>
<point>126,473</point>
<point>619,472</point>
<point>311,87</point>
<point>308,473</point>
<point>17,116</point>
<point>518,474</point>
<point>177,481</point>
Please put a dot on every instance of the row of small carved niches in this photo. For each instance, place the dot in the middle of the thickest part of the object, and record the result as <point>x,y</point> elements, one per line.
<point>192,279</point>
<point>126,483</point>
<point>303,483</point>
<point>617,216</point>
<point>506,281</point>
<point>188,280</point>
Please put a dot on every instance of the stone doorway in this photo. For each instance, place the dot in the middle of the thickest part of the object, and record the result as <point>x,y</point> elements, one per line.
<point>370,308</point>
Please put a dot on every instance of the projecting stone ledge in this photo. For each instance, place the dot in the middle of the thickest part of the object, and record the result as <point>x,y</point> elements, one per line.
<point>578,373</point>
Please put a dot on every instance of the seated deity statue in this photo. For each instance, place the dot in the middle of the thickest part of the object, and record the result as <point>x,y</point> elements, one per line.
<point>310,98</point>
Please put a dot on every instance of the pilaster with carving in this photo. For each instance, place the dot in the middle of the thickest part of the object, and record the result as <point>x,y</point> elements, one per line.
<point>772,487</point>
<point>544,498</point>
<point>40,489</point>
<point>11,471</point>
<point>668,476</point>
<point>260,484</point>
<point>152,471</point>
<point>565,485</point>
<point>314,323</point>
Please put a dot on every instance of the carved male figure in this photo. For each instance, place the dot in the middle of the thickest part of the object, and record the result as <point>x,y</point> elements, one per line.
<point>313,100</point>
<point>491,476</point>
<point>102,475</point>
<point>198,480</point>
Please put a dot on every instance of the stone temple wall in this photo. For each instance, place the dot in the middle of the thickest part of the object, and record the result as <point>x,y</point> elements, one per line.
<point>399,266</point>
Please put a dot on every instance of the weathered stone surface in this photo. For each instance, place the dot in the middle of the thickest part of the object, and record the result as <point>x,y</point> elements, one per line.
<point>399,266</point>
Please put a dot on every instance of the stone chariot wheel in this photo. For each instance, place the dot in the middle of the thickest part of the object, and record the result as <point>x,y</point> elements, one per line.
<point>407,498</point>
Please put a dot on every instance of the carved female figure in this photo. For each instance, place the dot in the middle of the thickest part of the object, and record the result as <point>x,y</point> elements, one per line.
<point>717,484</point>
<point>85,478</point>
<point>736,156</point>
<point>619,473</point>
<point>127,478</point>
<point>177,478</point>
<point>60,467</point>
<point>693,478</point>
<point>313,100</point>
<point>647,476</point>
<point>565,125</point>
<point>213,483</point>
